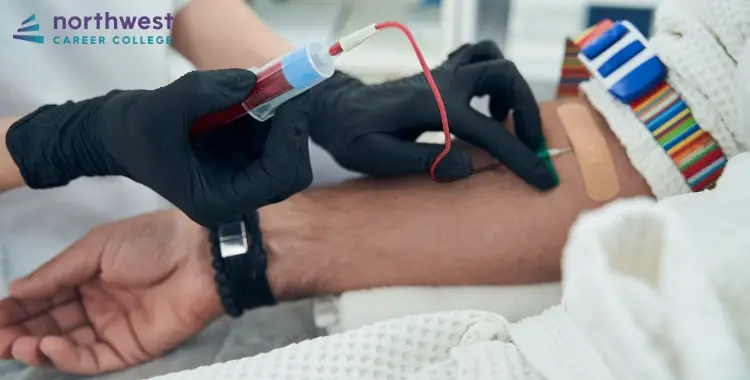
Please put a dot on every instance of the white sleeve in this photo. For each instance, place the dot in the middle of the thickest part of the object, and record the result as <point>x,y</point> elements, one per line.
<point>417,347</point>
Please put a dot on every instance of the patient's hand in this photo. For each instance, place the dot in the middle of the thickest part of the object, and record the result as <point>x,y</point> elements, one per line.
<point>124,294</point>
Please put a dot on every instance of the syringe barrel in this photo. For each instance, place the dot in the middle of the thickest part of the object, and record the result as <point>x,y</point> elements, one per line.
<point>287,77</point>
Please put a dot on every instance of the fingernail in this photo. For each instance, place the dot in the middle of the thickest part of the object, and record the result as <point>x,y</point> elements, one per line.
<point>16,283</point>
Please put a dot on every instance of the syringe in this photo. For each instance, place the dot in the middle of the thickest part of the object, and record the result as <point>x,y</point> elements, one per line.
<point>284,78</point>
<point>298,71</point>
<point>278,81</point>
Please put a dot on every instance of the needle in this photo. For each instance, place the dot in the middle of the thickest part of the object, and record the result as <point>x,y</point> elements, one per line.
<point>553,152</point>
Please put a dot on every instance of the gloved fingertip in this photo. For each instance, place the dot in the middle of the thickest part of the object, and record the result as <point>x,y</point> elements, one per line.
<point>544,176</point>
<point>454,166</point>
<point>487,49</point>
<point>237,79</point>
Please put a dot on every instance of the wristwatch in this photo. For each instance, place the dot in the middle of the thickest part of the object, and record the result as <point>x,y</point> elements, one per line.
<point>240,262</point>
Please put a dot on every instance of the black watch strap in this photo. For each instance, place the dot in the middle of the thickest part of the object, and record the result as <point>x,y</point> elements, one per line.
<point>240,262</point>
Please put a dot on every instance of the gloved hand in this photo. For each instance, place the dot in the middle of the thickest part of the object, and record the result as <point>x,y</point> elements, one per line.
<point>371,129</point>
<point>143,135</point>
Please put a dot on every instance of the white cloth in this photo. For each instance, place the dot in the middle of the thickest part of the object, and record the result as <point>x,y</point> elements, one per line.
<point>36,225</point>
<point>355,309</point>
<point>651,291</point>
<point>701,42</point>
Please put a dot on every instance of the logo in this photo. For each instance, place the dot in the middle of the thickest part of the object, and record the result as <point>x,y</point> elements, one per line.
<point>26,31</point>
<point>101,28</point>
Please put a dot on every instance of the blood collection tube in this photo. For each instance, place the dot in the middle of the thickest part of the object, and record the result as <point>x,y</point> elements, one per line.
<point>278,81</point>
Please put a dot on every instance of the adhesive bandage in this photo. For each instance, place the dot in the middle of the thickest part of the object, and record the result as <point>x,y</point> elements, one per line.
<point>592,154</point>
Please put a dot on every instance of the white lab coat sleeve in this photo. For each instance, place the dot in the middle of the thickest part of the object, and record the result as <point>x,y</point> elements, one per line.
<point>700,42</point>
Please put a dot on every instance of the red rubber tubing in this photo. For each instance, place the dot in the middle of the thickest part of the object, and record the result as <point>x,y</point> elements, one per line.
<point>435,92</point>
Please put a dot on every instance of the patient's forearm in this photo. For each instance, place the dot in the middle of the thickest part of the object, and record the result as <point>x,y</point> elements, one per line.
<point>10,176</point>
<point>489,229</point>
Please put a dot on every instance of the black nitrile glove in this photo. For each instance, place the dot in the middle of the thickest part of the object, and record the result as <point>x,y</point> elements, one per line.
<point>143,135</point>
<point>371,129</point>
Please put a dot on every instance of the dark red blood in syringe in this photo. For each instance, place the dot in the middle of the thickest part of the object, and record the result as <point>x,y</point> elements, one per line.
<point>270,84</point>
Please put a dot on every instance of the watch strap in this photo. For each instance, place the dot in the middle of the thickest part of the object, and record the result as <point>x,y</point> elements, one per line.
<point>240,262</point>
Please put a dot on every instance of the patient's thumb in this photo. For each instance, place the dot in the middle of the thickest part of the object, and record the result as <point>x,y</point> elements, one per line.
<point>71,267</point>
